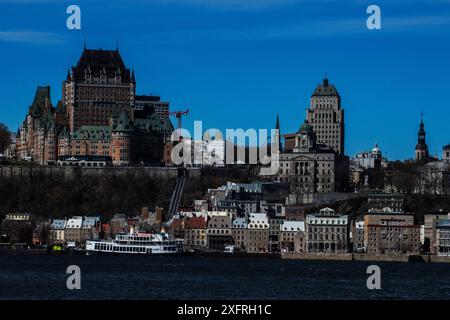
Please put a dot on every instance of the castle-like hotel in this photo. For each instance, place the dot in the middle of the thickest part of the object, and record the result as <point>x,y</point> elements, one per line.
<point>99,120</point>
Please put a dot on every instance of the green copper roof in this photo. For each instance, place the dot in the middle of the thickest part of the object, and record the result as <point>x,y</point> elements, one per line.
<point>92,133</point>
<point>123,123</point>
<point>306,128</point>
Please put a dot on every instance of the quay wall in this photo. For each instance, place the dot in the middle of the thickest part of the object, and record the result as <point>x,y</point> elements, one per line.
<point>358,257</point>
<point>438,259</point>
<point>324,256</point>
<point>381,257</point>
<point>29,172</point>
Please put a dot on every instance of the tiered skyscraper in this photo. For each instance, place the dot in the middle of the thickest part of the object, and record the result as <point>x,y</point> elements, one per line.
<point>326,116</point>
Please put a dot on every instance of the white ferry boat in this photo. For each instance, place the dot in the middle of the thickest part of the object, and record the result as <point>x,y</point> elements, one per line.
<point>136,243</point>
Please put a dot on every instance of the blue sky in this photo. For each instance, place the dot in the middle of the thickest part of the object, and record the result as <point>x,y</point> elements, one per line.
<point>236,63</point>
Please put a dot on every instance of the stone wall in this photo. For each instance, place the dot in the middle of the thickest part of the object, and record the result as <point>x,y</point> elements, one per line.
<point>26,172</point>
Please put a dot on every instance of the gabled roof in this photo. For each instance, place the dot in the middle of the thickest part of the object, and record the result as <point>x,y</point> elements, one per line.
<point>40,98</point>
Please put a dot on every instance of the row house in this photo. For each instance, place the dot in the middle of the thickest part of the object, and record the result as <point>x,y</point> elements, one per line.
<point>293,236</point>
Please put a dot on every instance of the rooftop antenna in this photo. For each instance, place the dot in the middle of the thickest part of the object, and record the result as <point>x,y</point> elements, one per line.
<point>117,45</point>
<point>84,42</point>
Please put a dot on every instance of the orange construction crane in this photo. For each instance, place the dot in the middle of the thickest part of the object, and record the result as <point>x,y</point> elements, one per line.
<point>178,115</point>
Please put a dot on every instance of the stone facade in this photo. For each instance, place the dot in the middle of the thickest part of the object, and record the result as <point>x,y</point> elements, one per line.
<point>391,233</point>
<point>326,232</point>
<point>310,167</point>
<point>326,116</point>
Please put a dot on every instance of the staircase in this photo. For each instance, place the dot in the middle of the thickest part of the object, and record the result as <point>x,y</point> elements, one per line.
<point>177,193</point>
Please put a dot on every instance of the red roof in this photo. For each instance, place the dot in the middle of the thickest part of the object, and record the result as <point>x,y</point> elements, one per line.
<point>195,223</point>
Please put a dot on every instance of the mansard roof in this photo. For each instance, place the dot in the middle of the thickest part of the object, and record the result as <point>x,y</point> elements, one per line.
<point>325,89</point>
<point>92,133</point>
<point>150,121</point>
<point>98,61</point>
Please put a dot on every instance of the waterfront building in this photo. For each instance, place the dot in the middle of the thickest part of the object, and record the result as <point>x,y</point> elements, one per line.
<point>219,232</point>
<point>258,233</point>
<point>240,233</point>
<point>90,228</point>
<point>389,232</point>
<point>293,236</point>
<point>57,231</point>
<point>431,220</point>
<point>118,224</point>
<point>275,239</point>
<point>327,232</point>
<point>357,236</point>
<point>195,232</point>
<point>78,229</point>
<point>17,228</point>
<point>72,232</point>
<point>443,237</point>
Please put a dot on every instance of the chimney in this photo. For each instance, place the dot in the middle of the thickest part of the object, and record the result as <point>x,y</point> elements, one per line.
<point>159,215</point>
<point>144,213</point>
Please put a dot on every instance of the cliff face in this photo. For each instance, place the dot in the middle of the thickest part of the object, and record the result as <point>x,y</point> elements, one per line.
<point>47,193</point>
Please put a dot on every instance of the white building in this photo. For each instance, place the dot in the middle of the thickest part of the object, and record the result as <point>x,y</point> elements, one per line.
<point>327,232</point>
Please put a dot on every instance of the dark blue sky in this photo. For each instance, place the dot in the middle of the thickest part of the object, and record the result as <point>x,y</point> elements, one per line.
<point>236,63</point>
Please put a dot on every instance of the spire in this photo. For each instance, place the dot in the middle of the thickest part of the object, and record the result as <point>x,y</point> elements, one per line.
<point>421,147</point>
<point>325,80</point>
<point>84,48</point>
<point>117,46</point>
<point>277,125</point>
<point>68,75</point>
<point>132,75</point>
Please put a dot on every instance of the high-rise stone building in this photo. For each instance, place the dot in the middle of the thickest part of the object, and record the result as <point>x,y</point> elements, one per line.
<point>98,88</point>
<point>326,116</point>
<point>421,146</point>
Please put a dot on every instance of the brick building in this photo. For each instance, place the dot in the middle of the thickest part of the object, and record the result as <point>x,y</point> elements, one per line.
<point>96,122</point>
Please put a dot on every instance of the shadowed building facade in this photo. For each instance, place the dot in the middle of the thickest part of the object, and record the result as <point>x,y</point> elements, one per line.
<point>96,122</point>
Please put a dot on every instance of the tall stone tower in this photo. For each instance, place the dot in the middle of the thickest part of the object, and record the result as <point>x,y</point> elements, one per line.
<point>98,88</point>
<point>326,116</point>
<point>421,146</point>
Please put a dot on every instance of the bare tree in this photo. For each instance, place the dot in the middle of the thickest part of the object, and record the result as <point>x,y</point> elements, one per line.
<point>5,137</point>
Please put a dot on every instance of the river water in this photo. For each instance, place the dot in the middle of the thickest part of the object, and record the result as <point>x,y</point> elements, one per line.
<point>152,277</point>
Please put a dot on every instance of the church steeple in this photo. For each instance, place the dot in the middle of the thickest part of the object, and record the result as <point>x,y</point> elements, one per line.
<point>421,147</point>
<point>277,127</point>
